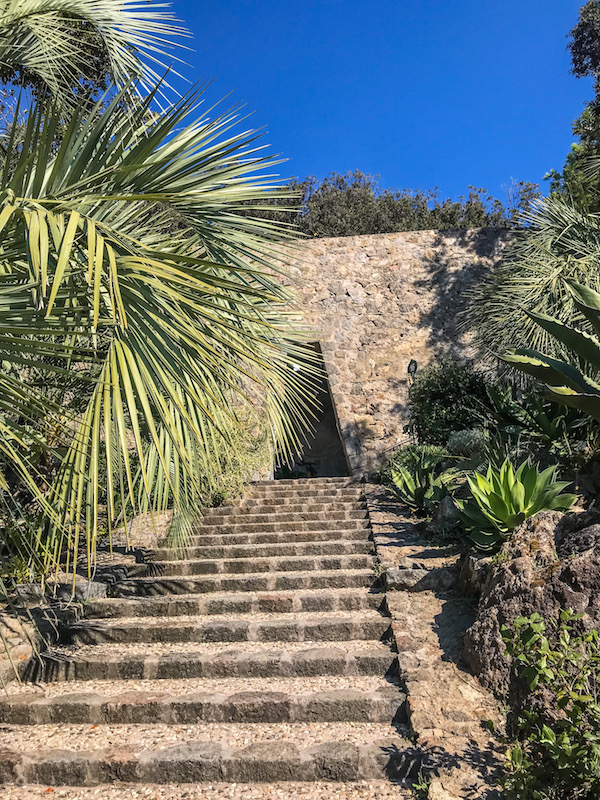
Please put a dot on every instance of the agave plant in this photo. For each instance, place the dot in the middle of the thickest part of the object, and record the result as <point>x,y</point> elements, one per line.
<point>421,482</point>
<point>503,498</point>
<point>132,273</point>
<point>526,423</point>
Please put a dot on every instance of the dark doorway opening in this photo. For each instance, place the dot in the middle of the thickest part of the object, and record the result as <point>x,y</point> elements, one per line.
<point>323,455</point>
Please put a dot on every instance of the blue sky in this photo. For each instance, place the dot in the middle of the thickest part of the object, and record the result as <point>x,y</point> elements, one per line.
<point>423,94</point>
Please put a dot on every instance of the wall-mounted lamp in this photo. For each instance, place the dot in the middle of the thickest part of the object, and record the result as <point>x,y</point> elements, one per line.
<point>412,369</point>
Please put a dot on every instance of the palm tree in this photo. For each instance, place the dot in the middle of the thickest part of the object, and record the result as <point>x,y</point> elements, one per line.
<point>143,303</point>
<point>564,382</point>
<point>561,243</point>
<point>131,271</point>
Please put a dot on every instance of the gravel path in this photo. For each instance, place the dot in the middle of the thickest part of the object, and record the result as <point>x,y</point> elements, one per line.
<point>153,649</point>
<point>90,737</point>
<point>320,683</point>
<point>371,790</point>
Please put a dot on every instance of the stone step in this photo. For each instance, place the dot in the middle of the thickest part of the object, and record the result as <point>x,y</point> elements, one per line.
<point>184,701</point>
<point>243,566</point>
<point>159,735</point>
<point>282,602</point>
<point>226,527</point>
<point>283,515</point>
<point>263,582</point>
<point>262,652</point>
<point>318,626</point>
<point>372,789</point>
<point>304,485</point>
<point>294,495</point>
<point>190,660</point>
<point>261,505</point>
<point>334,547</point>
<point>360,534</point>
<point>316,482</point>
<point>200,765</point>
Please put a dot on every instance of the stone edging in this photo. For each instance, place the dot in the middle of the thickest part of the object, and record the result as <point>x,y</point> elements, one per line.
<point>447,707</point>
<point>40,616</point>
<point>22,638</point>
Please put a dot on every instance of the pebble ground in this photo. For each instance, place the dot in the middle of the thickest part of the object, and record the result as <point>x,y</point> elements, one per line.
<point>363,790</point>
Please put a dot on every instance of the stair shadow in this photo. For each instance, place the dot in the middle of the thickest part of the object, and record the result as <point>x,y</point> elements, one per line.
<point>46,668</point>
<point>409,763</point>
<point>456,616</point>
<point>154,569</point>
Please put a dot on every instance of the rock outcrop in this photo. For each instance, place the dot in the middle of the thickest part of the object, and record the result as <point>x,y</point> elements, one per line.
<point>551,562</point>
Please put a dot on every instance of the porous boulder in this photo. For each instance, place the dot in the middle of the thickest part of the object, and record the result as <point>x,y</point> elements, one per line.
<point>551,562</point>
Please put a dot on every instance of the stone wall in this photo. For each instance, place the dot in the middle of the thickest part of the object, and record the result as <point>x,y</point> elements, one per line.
<point>378,301</point>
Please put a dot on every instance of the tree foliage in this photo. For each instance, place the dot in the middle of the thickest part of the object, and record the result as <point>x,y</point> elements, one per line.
<point>354,204</point>
<point>575,180</point>
<point>162,336</point>
<point>584,41</point>
<point>144,317</point>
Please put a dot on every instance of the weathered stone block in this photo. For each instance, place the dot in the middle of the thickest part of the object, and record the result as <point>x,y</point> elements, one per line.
<point>335,761</point>
<point>266,762</point>
<point>193,762</point>
<point>56,767</point>
<point>420,580</point>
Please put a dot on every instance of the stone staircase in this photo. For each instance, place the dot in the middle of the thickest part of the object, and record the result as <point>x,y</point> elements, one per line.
<point>264,655</point>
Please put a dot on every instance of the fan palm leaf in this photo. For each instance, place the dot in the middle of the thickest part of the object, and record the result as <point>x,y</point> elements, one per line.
<point>55,44</point>
<point>129,258</point>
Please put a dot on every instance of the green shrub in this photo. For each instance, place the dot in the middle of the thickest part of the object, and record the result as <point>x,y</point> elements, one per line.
<point>557,716</point>
<point>531,423</point>
<point>419,478</point>
<point>503,498</point>
<point>20,561</point>
<point>468,444</point>
<point>445,398</point>
<point>411,456</point>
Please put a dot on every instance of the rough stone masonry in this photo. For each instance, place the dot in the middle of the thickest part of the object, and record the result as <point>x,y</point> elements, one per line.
<point>377,302</point>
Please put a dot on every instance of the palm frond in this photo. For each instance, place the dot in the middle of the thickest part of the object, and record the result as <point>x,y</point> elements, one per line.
<point>561,243</point>
<point>53,42</point>
<point>130,256</point>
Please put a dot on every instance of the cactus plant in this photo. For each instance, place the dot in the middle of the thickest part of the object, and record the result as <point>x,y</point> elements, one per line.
<point>468,443</point>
